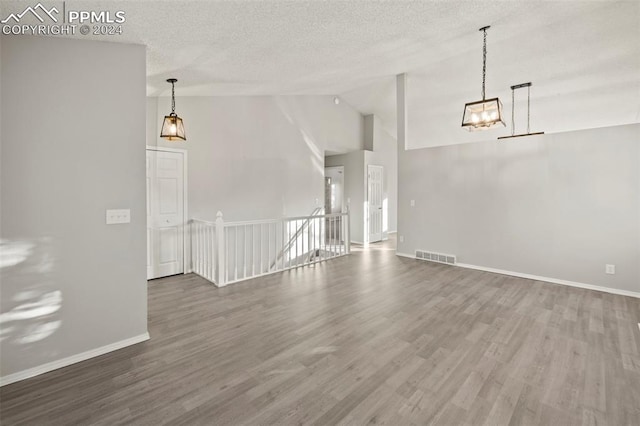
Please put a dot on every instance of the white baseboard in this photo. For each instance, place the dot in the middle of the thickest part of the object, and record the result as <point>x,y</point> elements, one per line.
<point>54,365</point>
<point>553,280</point>
<point>539,278</point>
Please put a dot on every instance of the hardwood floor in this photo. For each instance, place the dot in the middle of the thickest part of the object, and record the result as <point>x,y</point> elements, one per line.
<point>369,338</point>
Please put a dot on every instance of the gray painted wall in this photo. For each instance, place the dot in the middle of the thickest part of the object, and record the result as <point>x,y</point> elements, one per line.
<point>73,127</point>
<point>558,206</point>
<point>370,124</point>
<point>258,157</point>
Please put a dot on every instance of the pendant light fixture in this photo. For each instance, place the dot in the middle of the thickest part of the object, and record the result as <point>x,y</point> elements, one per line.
<point>487,113</point>
<point>513,116</point>
<point>172,126</point>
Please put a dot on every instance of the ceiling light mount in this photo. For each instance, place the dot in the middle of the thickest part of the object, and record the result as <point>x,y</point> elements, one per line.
<point>172,126</point>
<point>486,113</point>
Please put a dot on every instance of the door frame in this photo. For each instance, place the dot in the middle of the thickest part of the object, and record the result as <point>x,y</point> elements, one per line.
<point>367,233</point>
<point>339,168</point>
<point>186,249</point>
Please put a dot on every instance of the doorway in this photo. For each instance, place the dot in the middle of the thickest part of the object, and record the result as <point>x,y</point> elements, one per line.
<point>374,198</point>
<point>334,189</point>
<point>334,203</point>
<point>166,212</point>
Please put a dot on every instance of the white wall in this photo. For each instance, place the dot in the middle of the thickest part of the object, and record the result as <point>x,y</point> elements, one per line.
<point>257,157</point>
<point>73,126</point>
<point>558,206</point>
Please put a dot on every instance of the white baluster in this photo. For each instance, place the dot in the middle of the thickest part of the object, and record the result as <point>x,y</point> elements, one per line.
<point>221,249</point>
<point>199,230</point>
<point>330,236</point>
<point>235,253</point>
<point>193,242</point>
<point>204,250</point>
<point>210,246</point>
<point>268,249</point>
<point>347,240</point>
<point>309,251</point>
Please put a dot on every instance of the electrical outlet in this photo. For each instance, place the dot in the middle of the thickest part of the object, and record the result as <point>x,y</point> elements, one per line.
<point>402,238</point>
<point>610,269</point>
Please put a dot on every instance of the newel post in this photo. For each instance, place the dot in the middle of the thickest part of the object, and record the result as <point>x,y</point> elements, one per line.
<point>221,251</point>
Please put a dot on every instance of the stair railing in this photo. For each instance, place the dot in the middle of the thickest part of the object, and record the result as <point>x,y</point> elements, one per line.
<point>228,252</point>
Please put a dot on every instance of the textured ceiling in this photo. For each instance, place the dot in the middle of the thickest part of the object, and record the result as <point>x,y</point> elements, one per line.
<point>570,50</point>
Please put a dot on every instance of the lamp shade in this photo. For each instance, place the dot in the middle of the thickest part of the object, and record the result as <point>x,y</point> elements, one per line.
<point>482,115</point>
<point>172,128</point>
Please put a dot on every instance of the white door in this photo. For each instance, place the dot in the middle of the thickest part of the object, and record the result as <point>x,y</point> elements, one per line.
<point>374,196</point>
<point>165,213</point>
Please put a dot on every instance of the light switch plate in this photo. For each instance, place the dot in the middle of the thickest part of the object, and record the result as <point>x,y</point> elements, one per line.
<point>118,216</point>
<point>413,203</point>
<point>610,269</point>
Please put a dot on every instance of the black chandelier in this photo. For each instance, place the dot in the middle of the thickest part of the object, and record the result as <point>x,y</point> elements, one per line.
<point>487,113</point>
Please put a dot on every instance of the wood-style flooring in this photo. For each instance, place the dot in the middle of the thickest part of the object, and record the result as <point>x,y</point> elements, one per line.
<point>369,338</point>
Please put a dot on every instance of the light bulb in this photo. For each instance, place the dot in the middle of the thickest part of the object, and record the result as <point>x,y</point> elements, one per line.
<point>485,116</point>
<point>474,118</point>
<point>173,129</point>
<point>494,115</point>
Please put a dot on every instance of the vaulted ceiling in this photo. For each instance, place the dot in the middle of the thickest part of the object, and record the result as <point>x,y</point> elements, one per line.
<point>582,57</point>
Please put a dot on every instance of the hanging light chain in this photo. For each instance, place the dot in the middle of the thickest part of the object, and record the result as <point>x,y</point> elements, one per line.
<point>173,98</point>
<point>484,61</point>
